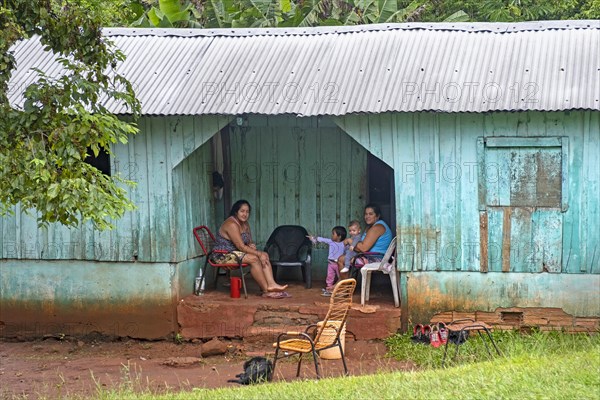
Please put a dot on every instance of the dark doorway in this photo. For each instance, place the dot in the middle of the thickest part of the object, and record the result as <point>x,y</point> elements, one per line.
<point>381,189</point>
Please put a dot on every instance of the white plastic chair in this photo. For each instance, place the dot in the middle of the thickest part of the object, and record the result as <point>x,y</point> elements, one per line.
<point>386,266</point>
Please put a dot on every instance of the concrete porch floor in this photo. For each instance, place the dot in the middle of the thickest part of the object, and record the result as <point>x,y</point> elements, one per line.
<point>259,320</point>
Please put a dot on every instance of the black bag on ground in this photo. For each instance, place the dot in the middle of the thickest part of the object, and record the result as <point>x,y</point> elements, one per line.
<point>256,370</point>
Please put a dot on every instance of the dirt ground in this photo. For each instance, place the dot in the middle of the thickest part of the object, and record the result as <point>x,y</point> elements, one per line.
<point>59,368</point>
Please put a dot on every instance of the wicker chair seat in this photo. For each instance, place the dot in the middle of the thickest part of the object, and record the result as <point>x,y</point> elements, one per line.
<point>300,345</point>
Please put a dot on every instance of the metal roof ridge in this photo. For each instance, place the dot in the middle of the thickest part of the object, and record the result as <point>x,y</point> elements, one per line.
<point>491,27</point>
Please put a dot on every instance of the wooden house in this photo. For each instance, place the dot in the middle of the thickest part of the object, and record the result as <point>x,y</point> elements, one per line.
<point>480,141</point>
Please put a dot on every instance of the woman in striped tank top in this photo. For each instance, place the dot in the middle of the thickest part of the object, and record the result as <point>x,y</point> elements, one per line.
<point>234,237</point>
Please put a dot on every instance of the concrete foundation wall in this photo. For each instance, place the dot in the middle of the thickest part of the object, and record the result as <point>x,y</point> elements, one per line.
<point>79,298</point>
<point>425,294</point>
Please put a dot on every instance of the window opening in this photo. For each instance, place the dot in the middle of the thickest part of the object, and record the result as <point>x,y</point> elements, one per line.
<point>102,161</point>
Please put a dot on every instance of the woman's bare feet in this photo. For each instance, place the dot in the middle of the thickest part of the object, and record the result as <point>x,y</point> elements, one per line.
<point>278,288</point>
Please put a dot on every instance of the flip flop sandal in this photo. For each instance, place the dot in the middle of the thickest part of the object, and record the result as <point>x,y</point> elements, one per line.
<point>276,295</point>
<point>272,295</point>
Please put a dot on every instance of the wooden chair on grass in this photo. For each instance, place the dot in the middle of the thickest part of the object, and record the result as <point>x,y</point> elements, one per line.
<point>322,336</point>
<point>206,239</point>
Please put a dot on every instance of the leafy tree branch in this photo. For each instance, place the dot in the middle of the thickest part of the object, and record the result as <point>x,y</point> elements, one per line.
<point>45,142</point>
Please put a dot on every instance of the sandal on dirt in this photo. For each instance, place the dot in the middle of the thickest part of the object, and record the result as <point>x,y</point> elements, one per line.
<point>276,295</point>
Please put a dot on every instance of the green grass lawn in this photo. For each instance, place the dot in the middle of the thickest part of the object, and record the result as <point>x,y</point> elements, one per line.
<point>535,366</point>
<point>512,344</point>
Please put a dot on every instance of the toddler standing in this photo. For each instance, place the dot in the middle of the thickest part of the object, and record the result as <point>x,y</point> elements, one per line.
<point>336,249</point>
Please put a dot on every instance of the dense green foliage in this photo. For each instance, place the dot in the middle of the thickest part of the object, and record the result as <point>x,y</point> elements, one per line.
<point>510,10</point>
<point>167,14</point>
<point>287,13</point>
<point>110,12</point>
<point>44,144</point>
<point>276,13</point>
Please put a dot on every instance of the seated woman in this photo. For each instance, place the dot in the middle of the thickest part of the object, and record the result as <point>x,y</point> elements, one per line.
<point>235,238</point>
<point>376,238</point>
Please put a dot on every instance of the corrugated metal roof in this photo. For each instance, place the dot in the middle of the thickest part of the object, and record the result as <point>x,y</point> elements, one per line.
<point>448,67</point>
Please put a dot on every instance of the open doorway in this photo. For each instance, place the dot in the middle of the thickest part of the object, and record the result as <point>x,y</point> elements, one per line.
<point>381,190</point>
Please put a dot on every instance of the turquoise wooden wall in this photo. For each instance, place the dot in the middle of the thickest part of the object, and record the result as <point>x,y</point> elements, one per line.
<point>303,171</point>
<point>171,194</point>
<point>436,164</point>
<point>124,282</point>
<point>298,171</point>
<point>309,171</point>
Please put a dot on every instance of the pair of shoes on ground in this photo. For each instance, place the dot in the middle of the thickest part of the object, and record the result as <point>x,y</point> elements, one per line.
<point>435,334</point>
<point>439,334</point>
<point>326,292</point>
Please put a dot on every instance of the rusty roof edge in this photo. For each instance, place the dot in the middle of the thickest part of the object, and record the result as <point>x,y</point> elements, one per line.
<point>489,27</point>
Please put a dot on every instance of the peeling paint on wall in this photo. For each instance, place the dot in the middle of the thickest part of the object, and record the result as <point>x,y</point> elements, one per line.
<point>432,293</point>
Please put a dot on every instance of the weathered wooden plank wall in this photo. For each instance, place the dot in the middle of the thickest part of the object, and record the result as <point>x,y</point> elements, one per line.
<point>308,171</point>
<point>303,171</point>
<point>437,171</point>
<point>192,162</point>
<point>149,233</point>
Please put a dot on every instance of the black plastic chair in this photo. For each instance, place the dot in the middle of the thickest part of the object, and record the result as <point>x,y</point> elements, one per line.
<point>288,246</point>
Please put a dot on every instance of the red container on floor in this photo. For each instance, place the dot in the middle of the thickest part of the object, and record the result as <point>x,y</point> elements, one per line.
<point>236,286</point>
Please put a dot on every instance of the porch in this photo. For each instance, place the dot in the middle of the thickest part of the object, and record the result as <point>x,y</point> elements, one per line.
<point>258,321</point>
